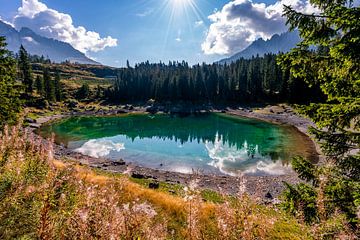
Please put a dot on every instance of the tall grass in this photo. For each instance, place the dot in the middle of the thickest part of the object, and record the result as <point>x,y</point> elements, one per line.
<point>43,198</point>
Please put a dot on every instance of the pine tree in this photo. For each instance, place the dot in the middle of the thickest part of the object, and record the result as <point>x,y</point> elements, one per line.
<point>39,83</point>
<point>10,104</point>
<point>49,86</point>
<point>25,70</point>
<point>336,68</point>
<point>58,87</point>
<point>83,92</point>
<point>99,92</point>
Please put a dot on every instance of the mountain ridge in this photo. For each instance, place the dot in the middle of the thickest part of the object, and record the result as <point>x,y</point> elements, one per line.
<point>277,43</point>
<point>35,44</point>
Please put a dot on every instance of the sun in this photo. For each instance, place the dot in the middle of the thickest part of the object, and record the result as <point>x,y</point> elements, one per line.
<point>182,3</point>
<point>182,6</point>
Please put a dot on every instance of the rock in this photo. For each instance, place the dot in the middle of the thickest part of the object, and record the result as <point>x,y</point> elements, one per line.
<point>154,185</point>
<point>118,163</point>
<point>137,175</point>
<point>30,120</point>
<point>268,195</point>
<point>223,111</point>
<point>34,125</point>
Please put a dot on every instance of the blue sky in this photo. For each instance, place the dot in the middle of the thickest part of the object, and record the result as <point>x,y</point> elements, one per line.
<point>157,30</point>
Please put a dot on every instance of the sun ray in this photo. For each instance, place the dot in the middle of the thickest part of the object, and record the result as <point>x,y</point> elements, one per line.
<point>178,13</point>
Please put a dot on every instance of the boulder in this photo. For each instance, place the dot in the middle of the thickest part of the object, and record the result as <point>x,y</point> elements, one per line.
<point>268,195</point>
<point>154,185</point>
<point>30,120</point>
<point>137,175</point>
<point>118,163</point>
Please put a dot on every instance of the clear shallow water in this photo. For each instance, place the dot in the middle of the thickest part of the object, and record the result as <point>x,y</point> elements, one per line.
<point>209,143</point>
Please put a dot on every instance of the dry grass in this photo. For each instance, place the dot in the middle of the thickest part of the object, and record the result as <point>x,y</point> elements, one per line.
<point>42,198</point>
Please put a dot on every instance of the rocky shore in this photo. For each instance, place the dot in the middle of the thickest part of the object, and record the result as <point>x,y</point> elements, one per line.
<point>262,188</point>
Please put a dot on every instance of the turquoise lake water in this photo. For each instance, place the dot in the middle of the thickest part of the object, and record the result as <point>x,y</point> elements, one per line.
<point>209,143</point>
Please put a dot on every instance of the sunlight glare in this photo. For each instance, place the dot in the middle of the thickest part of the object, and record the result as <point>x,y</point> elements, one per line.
<point>179,6</point>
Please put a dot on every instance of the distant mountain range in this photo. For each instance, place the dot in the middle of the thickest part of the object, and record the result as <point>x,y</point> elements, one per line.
<point>35,44</point>
<point>278,43</point>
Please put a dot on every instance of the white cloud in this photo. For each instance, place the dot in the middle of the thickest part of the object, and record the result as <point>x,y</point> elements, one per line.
<point>145,13</point>
<point>53,24</point>
<point>199,23</point>
<point>178,39</point>
<point>240,22</point>
<point>31,40</point>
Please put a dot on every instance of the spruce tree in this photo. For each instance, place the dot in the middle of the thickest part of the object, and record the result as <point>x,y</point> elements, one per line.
<point>39,83</point>
<point>58,87</point>
<point>25,70</point>
<point>83,92</point>
<point>49,86</point>
<point>335,185</point>
<point>10,104</point>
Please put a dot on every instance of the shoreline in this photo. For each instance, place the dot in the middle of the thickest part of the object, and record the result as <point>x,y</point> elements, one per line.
<point>262,188</point>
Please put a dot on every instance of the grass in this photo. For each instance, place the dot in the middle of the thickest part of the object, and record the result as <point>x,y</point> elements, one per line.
<point>43,198</point>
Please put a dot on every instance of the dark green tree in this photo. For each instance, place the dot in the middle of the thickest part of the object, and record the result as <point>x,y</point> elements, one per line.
<point>335,67</point>
<point>10,104</point>
<point>99,92</point>
<point>83,92</point>
<point>49,86</point>
<point>58,87</point>
<point>39,83</point>
<point>25,70</point>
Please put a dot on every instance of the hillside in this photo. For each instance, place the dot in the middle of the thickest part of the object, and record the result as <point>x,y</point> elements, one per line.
<point>35,44</point>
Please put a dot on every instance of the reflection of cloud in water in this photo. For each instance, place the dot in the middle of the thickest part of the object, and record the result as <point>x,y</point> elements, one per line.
<point>99,147</point>
<point>268,168</point>
<point>225,158</point>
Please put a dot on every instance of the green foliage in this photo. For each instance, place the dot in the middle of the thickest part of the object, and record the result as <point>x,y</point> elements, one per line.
<point>306,170</point>
<point>10,104</point>
<point>58,87</point>
<point>39,83</point>
<point>301,200</point>
<point>25,70</point>
<point>49,86</point>
<point>335,67</point>
<point>83,92</point>
<point>247,80</point>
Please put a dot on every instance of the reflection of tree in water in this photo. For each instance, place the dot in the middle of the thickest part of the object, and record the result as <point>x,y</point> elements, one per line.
<point>259,136</point>
<point>251,149</point>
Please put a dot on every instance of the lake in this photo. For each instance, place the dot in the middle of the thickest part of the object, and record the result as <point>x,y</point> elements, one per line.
<point>208,143</point>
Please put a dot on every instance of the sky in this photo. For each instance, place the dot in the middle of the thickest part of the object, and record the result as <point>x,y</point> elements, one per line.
<point>113,31</point>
